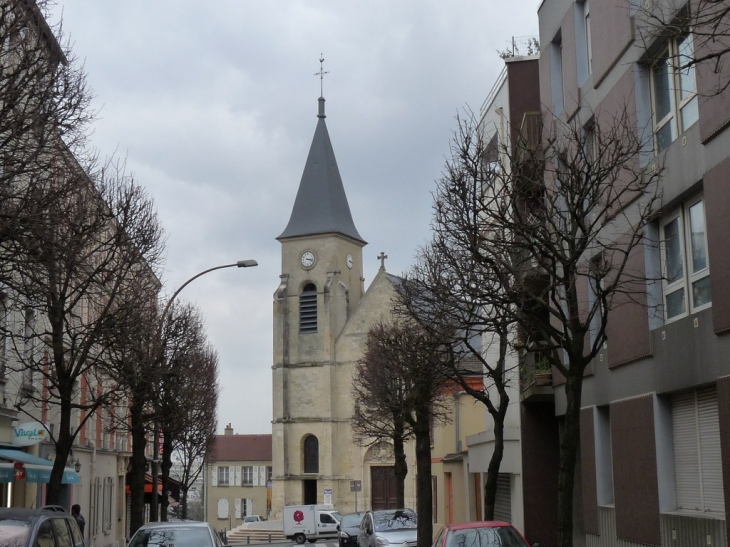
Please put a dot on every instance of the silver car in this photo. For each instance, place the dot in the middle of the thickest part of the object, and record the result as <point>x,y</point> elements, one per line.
<point>180,534</point>
<point>388,527</point>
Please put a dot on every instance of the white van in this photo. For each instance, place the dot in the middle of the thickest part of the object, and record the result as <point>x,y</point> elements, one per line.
<point>310,522</point>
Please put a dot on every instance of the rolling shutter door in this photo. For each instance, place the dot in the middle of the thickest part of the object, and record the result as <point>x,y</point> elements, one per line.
<point>503,499</point>
<point>686,452</point>
<point>697,453</point>
<point>710,456</point>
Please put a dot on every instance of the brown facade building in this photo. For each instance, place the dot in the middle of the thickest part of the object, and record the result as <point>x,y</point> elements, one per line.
<point>655,415</point>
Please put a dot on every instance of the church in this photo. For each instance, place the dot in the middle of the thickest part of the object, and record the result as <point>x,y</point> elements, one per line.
<point>322,314</point>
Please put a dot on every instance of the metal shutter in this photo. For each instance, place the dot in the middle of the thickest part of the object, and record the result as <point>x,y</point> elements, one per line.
<point>686,452</point>
<point>710,454</point>
<point>503,499</point>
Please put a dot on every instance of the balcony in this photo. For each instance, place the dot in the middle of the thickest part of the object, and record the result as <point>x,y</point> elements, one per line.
<point>536,378</point>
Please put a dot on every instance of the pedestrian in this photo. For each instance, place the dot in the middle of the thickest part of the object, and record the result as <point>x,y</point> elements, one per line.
<point>76,513</point>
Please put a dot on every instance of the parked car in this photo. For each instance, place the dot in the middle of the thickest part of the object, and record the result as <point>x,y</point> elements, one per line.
<point>253,518</point>
<point>179,534</point>
<point>348,528</point>
<point>38,528</point>
<point>390,526</point>
<point>483,534</point>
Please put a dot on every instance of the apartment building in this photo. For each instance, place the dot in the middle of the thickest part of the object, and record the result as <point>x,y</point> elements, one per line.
<point>655,419</point>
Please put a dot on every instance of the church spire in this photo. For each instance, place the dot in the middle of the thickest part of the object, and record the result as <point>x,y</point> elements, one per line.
<point>321,204</point>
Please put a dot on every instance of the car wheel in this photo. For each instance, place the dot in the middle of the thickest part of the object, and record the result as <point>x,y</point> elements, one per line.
<point>300,539</point>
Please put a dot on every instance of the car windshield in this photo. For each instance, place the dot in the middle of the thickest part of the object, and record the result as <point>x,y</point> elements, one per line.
<point>183,536</point>
<point>351,521</point>
<point>14,533</point>
<point>395,520</point>
<point>496,536</point>
<point>337,516</point>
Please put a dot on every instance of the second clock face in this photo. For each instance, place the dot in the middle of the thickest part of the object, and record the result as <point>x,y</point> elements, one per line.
<point>308,259</point>
<point>350,261</point>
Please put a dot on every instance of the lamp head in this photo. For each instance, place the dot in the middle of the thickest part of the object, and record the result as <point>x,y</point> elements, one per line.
<point>77,466</point>
<point>246,263</point>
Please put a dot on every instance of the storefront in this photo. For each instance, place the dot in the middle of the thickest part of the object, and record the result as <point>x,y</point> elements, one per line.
<point>22,476</point>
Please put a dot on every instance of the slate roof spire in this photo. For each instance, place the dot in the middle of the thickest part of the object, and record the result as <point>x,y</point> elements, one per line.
<point>321,205</point>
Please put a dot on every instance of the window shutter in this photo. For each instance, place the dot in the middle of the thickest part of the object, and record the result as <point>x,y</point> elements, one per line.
<point>249,506</point>
<point>238,508</point>
<point>255,475</point>
<point>214,476</point>
<point>223,509</point>
<point>236,475</point>
<point>710,457</point>
<point>262,475</point>
<point>686,452</point>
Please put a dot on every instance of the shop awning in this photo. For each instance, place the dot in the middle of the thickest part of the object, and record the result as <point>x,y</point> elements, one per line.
<point>148,485</point>
<point>36,469</point>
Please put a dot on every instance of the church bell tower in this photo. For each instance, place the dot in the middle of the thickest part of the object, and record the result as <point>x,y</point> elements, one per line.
<point>321,284</point>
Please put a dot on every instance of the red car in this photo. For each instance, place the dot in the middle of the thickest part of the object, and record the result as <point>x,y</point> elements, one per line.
<point>491,533</point>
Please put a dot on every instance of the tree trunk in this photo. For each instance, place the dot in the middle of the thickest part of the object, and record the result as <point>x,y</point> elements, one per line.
<point>64,442</point>
<point>569,445</point>
<point>401,467</point>
<point>183,502</point>
<point>424,492</point>
<point>490,488</point>
<point>139,463</point>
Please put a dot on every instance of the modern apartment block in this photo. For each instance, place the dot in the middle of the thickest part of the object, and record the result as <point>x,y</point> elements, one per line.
<point>655,416</point>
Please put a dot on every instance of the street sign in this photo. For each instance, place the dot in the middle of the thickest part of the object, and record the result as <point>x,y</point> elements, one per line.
<point>328,496</point>
<point>355,486</point>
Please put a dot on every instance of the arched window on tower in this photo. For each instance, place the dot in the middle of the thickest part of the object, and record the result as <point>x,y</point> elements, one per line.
<point>308,309</point>
<point>311,454</point>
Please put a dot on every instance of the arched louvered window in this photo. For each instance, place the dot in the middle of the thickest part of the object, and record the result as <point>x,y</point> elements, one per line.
<point>311,454</point>
<point>308,309</point>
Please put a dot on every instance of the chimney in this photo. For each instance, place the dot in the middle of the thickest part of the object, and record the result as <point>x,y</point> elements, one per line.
<point>228,430</point>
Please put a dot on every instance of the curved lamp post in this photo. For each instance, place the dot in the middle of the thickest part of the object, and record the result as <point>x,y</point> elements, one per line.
<point>163,317</point>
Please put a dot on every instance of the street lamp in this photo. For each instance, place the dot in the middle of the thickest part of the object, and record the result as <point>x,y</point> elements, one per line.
<point>155,448</point>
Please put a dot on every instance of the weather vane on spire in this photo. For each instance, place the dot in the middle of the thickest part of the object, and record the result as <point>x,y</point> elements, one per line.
<point>321,74</point>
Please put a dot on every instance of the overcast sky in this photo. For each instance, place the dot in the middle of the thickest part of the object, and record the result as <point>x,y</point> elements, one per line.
<point>214,106</point>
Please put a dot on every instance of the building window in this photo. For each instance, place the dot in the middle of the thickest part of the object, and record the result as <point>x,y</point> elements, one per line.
<point>223,476</point>
<point>311,454</point>
<point>269,473</point>
<point>697,452</point>
<point>556,74</point>
<point>308,309</point>
<point>673,91</point>
<point>583,40</point>
<point>247,475</point>
<point>685,264</point>
<point>247,505</point>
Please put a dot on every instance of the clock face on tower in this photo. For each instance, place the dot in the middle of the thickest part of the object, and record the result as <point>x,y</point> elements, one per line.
<point>349,261</point>
<point>308,259</point>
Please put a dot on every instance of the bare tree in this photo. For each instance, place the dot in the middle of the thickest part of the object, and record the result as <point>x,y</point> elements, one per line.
<point>187,394</point>
<point>84,257</point>
<point>194,440</point>
<point>380,403</point>
<point>132,365</point>
<point>416,362</point>
<point>453,284</point>
<point>556,231</point>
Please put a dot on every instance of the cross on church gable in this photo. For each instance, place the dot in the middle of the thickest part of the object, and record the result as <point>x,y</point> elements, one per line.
<point>382,258</point>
